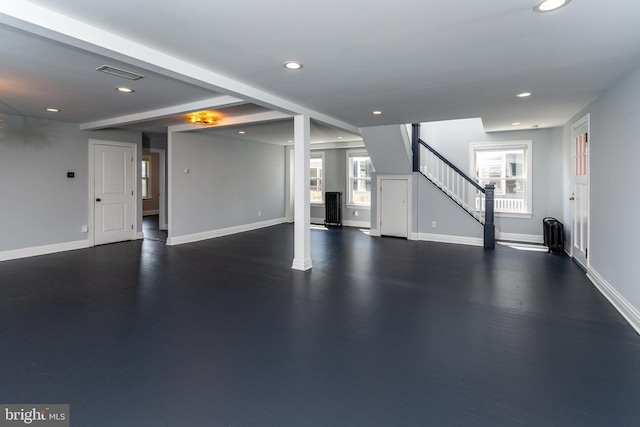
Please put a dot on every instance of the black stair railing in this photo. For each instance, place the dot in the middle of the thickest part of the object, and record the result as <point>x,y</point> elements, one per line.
<point>457,185</point>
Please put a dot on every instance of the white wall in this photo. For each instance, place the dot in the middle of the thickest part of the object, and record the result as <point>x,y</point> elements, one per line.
<point>229,182</point>
<point>39,205</point>
<point>614,186</point>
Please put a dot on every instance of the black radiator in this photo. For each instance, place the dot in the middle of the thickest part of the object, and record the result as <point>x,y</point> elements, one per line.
<point>333,208</point>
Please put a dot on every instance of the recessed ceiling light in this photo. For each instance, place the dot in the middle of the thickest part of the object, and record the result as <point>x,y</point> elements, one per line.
<point>124,89</point>
<point>53,110</point>
<point>289,141</point>
<point>292,65</point>
<point>377,112</point>
<point>241,132</point>
<point>339,137</point>
<point>549,5</point>
<point>523,94</point>
<point>515,123</point>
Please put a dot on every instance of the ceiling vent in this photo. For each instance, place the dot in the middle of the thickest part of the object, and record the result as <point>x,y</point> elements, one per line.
<point>119,72</point>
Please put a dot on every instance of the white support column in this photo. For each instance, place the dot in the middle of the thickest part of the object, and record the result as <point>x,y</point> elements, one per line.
<point>302,202</point>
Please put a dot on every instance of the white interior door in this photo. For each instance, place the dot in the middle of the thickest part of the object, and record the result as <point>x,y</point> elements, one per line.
<point>394,211</point>
<point>114,194</point>
<point>580,196</point>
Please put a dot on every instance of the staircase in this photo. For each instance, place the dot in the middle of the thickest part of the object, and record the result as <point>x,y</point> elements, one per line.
<point>458,186</point>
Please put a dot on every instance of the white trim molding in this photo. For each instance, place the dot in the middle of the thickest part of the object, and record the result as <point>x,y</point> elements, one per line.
<point>43,250</point>
<point>445,238</point>
<point>212,234</point>
<point>516,237</point>
<point>624,307</point>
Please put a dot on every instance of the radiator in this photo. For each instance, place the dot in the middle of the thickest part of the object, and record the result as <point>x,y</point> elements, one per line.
<point>333,208</point>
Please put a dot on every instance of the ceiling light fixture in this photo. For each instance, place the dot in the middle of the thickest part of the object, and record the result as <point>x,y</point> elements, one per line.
<point>202,118</point>
<point>241,132</point>
<point>377,112</point>
<point>124,89</point>
<point>523,94</point>
<point>292,65</point>
<point>53,110</point>
<point>549,5</point>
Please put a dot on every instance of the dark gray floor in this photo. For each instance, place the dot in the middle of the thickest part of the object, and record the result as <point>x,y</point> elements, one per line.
<point>151,228</point>
<point>382,332</point>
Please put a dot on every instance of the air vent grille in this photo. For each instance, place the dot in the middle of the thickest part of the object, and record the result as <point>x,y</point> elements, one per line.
<point>119,72</point>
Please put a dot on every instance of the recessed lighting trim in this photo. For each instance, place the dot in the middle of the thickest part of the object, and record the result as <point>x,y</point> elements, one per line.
<point>124,89</point>
<point>377,113</point>
<point>549,5</point>
<point>339,137</point>
<point>292,65</point>
<point>524,95</point>
<point>515,123</point>
<point>241,132</point>
<point>53,110</point>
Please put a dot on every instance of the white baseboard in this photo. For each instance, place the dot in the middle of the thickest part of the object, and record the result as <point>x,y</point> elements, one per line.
<point>458,240</point>
<point>374,232</point>
<point>516,237</point>
<point>139,235</point>
<point>43,250</point>
<point>628,311</point>
<point>212,234</point>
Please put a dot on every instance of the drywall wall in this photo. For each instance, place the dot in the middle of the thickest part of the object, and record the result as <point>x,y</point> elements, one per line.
<point>218,182</point>
<point>40,206</point>
<point>614,185</point>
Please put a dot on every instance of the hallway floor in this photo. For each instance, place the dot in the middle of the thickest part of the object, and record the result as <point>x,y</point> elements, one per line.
<point>381,332</point>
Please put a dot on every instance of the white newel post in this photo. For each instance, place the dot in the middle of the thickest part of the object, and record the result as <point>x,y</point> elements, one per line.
<point>302,202</point>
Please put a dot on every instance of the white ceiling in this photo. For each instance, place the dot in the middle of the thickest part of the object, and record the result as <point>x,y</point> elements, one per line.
<point>414,60</point>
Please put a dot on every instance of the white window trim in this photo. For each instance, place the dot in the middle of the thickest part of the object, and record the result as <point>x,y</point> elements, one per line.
<point>354,153</point>
<point>319,155</point>
<point>147,158</point>
<point>527,145</point>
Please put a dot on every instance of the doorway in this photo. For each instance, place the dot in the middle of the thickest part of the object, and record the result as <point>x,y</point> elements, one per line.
<point>112,192</point>
<point>580,191</point>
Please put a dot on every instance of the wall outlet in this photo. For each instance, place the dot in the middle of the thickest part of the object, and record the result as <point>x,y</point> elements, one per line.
<point>356,213</point>
<point>433,224</point>
<point>259,213</point>
<point>85,229</point>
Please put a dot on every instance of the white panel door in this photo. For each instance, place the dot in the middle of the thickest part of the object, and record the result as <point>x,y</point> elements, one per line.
<point>394,212</point>
<point>580,197</point>
<point>114,195</point>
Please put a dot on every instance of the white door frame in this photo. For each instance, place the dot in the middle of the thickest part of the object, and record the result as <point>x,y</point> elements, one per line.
<point>586,119</point>
<point>163,187</point>
<point>409,179</point>
<point>92,179</point>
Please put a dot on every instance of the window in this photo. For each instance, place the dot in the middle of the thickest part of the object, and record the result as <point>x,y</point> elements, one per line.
<point>359,174</point>
<point>146,172</point>
<point>507,165</point>
<point>316,178</point>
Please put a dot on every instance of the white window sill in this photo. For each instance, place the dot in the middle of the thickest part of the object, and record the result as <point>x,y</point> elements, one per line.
<point>352,206</point>
<point>523,215</point>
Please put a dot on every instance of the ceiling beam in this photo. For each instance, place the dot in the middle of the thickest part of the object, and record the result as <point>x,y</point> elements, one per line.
<point>267,116</point>
<point>161,113</point>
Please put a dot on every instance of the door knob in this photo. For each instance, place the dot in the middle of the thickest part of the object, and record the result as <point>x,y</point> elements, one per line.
<point>98,200</point>
<point>572,198</point>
